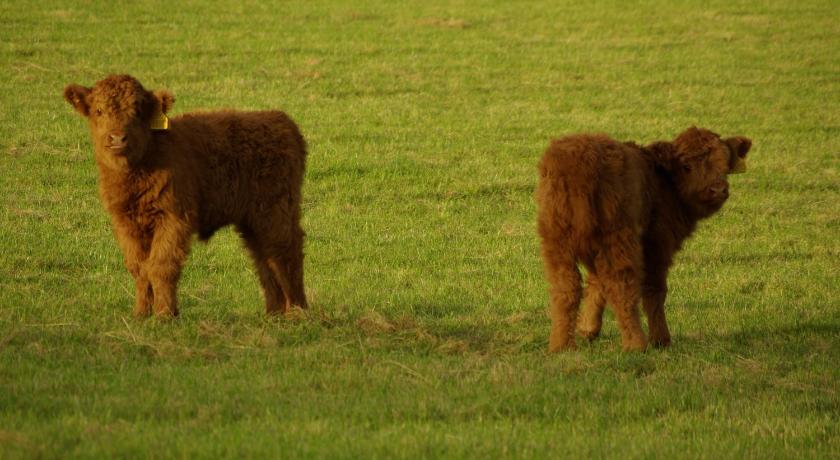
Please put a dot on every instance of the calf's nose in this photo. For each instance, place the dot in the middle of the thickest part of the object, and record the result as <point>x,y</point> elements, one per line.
<point>720,188</point>
<point>117,138</point>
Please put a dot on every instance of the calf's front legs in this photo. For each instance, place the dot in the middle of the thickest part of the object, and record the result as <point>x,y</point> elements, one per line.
<point>654,290</point>
<point>135,254</point>
<point>653,299</point>
<point>169,248</point>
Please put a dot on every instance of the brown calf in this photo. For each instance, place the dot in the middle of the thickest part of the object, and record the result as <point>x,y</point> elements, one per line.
<point>623,211</point>
<point>163,182</point>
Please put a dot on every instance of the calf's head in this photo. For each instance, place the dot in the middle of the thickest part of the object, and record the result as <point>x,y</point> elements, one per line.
<point>120,113</point>
<point>699,161</point>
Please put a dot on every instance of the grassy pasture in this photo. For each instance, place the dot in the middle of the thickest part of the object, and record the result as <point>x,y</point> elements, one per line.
<point>428,330</point>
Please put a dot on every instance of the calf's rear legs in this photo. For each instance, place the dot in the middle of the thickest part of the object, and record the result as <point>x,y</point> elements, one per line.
<point>592,311</point>
<point>618,268</point>
<point>564,293</point>
<point>277,252</point>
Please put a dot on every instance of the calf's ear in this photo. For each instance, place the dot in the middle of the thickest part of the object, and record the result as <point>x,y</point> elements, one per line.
<point>663,154</point>
<point>739,146</point>
<point>76,95</point>
<point>164,99</point>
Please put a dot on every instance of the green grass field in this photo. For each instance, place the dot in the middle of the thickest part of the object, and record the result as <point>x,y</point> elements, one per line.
<point>428,330</point>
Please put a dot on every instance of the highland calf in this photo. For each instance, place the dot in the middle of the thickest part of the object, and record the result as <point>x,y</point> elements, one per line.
<point>623,211</point>
<point>164,181</point>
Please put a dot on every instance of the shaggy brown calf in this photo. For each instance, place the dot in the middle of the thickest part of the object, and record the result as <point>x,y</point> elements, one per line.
<point>163,182</point>
<point>623,211</point>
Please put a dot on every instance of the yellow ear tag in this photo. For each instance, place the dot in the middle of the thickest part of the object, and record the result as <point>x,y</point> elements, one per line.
<point>740,167</point>
<point>159,122</point>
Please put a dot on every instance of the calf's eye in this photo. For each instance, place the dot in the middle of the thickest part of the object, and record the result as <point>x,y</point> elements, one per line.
<point>687,168</point>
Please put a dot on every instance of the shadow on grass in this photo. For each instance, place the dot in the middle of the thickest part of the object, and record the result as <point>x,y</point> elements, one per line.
<point>823,330</point>
<point>337,171</point>
<point>483,192</point>
<point>788,337</point>
<point>789,343</point>
<point>754,258</point>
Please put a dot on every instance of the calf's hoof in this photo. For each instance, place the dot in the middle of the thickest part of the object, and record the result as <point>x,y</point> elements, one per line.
<point>635,342</point>
<point>660,342</point>
<point>142,311</point>
<point>558,344</point>
<point>561,348</point>
<point>166,314</point>
<point>588,334</point>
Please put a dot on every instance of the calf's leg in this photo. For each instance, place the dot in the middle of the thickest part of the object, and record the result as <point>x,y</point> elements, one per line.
<point>619,269</point>
<point>653,299</point>
<point>654,290</point>
<point>169,249</point>
<point>564,292</point>
<point>144,297</point>
<point>292,262</point>
<point>592,311</point>
<point>272,292</point>
<point>276,243</point>
<point>135,255</point>
<point>285,258</point>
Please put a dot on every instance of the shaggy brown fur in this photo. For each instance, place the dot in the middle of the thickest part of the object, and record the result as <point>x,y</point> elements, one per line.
<point>207,171</point>
<point>623,211</point>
